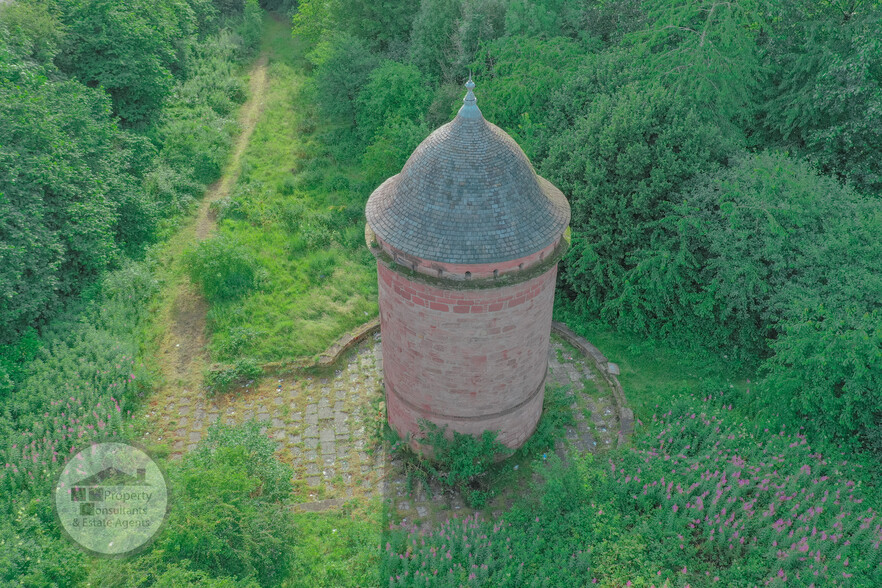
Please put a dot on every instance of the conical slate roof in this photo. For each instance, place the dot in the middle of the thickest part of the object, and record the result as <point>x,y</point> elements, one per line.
<point>468,195</point>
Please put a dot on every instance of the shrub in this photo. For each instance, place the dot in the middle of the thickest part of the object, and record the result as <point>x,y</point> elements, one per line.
<point>275,476</point>
<point>228,521</point>
<point>223,522</point>
<point>827,366</point>
<point>224,269</point>
<point>459,461</point>
<point>198,139</point>
<point>219,379</point>
<point>34,553</point>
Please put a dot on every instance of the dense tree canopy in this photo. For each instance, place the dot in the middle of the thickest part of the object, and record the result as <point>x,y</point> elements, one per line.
<point>130,49</point>
<point>68,189</point>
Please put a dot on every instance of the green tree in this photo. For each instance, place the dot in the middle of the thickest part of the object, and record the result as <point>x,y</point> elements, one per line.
<point>393,90</point>
<point>827,366</point>
<point>432,40</point>
<point>706,51</point>
<point>68,190</point>
<point>751,248</point>
<point>130,49</point>
<point>482,21</point>
<point>547,18</point>
<point>621,166</point>
<point>516,76</point>
<point>391,147</point>
<point>32,29</point>
<point>342,68</point>
<point>824,89</point>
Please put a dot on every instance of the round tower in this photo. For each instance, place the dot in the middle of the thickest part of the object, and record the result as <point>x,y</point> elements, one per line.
<point>467,239</point>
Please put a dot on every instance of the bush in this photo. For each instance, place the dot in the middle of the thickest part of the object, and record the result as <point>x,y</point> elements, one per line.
<point>827,366</point>
<point>35,554</point>
<point>198,139</point>
<point>459,461</point>
<point>224,269</point>
<point>275,477</point>
<point>228,521</point>
<point>219,379</point>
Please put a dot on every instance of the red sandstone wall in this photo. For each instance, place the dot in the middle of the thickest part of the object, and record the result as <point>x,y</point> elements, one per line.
<point>471,359</point>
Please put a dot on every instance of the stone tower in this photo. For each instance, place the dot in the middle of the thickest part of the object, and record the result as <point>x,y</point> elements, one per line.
<point>467,239</point>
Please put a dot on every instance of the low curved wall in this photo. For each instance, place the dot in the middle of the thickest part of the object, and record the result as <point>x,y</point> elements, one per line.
<point>329,357</point>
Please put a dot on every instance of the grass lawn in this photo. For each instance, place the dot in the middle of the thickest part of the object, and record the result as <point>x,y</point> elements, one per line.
<point>294,212</point>
<point>652,372</point>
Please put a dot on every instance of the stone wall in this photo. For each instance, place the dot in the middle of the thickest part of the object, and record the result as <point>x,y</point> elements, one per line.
<point>471,359</point>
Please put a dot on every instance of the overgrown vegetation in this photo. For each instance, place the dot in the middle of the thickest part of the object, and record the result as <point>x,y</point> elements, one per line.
<point>219,379</point>
<point>229,523</point>
<point>477,467</point>
<point>459,462</point>
<point>703,150</point>
<point>722,164</point>
<point>113,119</point>
<point>723,201</point>
<point>82,193</point>
<point>702,498</point>
<point>295,220</point>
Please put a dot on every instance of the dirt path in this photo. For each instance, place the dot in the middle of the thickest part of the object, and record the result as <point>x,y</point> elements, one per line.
<point>182,354</point>
<point>248,116</point>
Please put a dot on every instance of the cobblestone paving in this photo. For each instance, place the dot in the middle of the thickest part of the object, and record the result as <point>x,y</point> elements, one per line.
<point>324,426</point>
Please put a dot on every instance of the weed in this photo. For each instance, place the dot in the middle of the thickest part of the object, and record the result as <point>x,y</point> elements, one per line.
<point>223,268</point>
<point>220,378</point>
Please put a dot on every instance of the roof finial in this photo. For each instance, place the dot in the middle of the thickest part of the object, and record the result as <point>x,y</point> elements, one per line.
<point>470,107</point>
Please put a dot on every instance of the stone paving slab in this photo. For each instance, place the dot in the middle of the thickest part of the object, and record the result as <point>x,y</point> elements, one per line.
<point>326,426</point>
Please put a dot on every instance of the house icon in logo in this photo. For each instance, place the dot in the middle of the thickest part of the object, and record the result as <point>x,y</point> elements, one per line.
<point>90,490</point>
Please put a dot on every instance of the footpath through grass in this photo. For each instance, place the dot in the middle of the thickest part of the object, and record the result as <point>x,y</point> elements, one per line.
<point>295,218</point>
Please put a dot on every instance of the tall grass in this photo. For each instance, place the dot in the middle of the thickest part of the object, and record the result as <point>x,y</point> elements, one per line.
<point>298,213</point>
